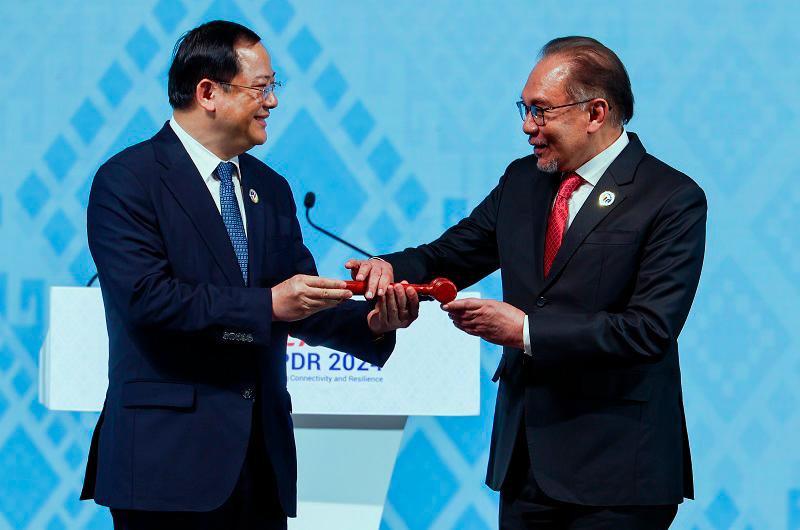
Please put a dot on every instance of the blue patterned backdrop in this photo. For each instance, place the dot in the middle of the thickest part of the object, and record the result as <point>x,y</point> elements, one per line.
<point>406,109</point>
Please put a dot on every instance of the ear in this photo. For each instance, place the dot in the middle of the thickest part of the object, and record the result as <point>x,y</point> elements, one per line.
<point>204,94</point>
<point>598,114</point>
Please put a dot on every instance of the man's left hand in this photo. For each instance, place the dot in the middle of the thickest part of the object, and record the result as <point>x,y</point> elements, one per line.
<point>398,308</point>
<point>377,273</point>
<point>491,320</point>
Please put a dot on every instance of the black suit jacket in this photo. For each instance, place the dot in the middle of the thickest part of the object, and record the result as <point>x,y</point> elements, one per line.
<point>190,345</point>
<point>600,398</point>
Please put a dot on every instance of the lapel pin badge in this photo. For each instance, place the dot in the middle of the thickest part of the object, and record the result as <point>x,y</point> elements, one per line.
<point>606,198</point>
<point>253,196</point>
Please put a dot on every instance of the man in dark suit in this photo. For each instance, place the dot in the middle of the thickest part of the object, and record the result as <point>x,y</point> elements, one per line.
<point>600,247</point>
<point>204,272</point>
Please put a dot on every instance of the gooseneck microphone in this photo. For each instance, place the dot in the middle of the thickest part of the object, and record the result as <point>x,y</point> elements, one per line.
<point>309,201</point>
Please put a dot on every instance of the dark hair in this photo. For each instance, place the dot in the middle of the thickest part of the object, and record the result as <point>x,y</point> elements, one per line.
<point>205,52</point>
<point>596,72</point>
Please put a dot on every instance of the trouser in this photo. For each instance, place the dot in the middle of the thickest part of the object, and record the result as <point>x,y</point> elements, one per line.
<point>524,506</point>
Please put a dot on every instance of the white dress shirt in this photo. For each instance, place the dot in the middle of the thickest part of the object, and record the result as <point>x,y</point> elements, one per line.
<point>591,172</point>
<point>206,163</point>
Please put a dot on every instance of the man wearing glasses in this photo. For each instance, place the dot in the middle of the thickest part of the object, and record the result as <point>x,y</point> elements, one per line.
<point>600,247</point>
<point>204,272</point>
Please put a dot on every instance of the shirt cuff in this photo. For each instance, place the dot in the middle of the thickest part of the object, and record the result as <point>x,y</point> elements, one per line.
<point>526,337</point>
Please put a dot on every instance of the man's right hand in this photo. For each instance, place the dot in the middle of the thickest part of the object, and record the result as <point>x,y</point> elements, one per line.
<point>301,296</point>
<point>377,273</point>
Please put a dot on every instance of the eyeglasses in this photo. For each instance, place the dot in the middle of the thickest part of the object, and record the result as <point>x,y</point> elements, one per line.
<point>538,112</point>
<point>265,90</point>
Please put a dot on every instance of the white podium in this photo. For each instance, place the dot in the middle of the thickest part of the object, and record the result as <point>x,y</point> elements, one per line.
<point>348,415</point>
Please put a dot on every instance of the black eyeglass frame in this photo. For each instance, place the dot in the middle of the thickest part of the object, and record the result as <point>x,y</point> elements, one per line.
<point>524,110</point>
<point>265,91</point>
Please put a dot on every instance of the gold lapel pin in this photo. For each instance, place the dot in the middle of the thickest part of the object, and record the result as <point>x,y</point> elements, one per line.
<point>606,198</point>
<point>253,196</point>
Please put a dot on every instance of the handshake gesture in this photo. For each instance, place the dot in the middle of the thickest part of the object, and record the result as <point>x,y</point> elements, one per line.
<point>301,296</point>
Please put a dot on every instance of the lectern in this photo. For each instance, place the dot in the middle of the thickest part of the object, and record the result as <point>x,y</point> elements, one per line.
<point>348,415</point>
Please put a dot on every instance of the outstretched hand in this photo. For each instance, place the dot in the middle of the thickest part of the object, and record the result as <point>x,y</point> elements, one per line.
<point>491,320</point>
<point>377,273</point>
<point>398,308</point>
<point>301,296</point>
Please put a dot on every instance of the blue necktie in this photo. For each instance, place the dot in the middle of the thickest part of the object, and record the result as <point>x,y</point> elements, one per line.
<point>231,215</point>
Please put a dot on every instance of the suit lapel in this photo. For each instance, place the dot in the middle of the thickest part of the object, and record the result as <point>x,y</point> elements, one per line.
<point>181,177</point>
<point>590,214</point>
<point>619,173</point>
<point>255,211</point>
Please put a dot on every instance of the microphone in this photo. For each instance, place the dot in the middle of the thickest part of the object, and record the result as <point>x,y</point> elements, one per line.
<point>309,201</point>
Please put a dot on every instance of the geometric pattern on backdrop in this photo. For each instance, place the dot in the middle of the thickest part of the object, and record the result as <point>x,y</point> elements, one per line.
<point>387,187</point>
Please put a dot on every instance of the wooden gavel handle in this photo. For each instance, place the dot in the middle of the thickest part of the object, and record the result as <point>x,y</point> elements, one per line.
<point>442,289</point>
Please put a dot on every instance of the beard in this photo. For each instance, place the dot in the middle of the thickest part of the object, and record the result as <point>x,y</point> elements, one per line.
<point>547,167</point>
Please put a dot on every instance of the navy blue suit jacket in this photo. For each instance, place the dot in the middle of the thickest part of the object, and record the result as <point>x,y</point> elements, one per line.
<point>188,341</point>
<point>600,399</point>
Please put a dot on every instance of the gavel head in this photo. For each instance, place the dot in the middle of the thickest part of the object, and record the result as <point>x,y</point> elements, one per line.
<point>443,290</point>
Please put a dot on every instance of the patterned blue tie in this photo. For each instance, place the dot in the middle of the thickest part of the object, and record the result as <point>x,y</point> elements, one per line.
<point>231,215</point>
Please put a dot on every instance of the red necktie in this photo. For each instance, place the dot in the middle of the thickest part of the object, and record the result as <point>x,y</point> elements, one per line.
<point>558,218</point>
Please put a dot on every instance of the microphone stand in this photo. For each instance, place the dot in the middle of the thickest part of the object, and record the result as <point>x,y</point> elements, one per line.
<point>334,236</point>
<point>309,202</point>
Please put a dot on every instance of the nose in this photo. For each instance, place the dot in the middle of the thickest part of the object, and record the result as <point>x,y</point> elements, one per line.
<point>529,126</point>
<point>272,101</point>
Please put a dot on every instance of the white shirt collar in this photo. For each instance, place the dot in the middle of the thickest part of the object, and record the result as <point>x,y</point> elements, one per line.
<point>205,161</point>
<point>592,170</point>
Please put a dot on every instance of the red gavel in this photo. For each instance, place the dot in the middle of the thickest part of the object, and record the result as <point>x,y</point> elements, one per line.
<point>442,289</point>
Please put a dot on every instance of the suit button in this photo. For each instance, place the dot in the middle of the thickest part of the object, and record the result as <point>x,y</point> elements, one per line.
<point>541,301</point>
<point>249,393</point>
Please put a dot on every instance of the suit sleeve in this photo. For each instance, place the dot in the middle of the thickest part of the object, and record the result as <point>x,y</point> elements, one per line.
<point>344,327</point>
<point>135,274</point>
<point>665,286</point>
<point>464,254</point>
